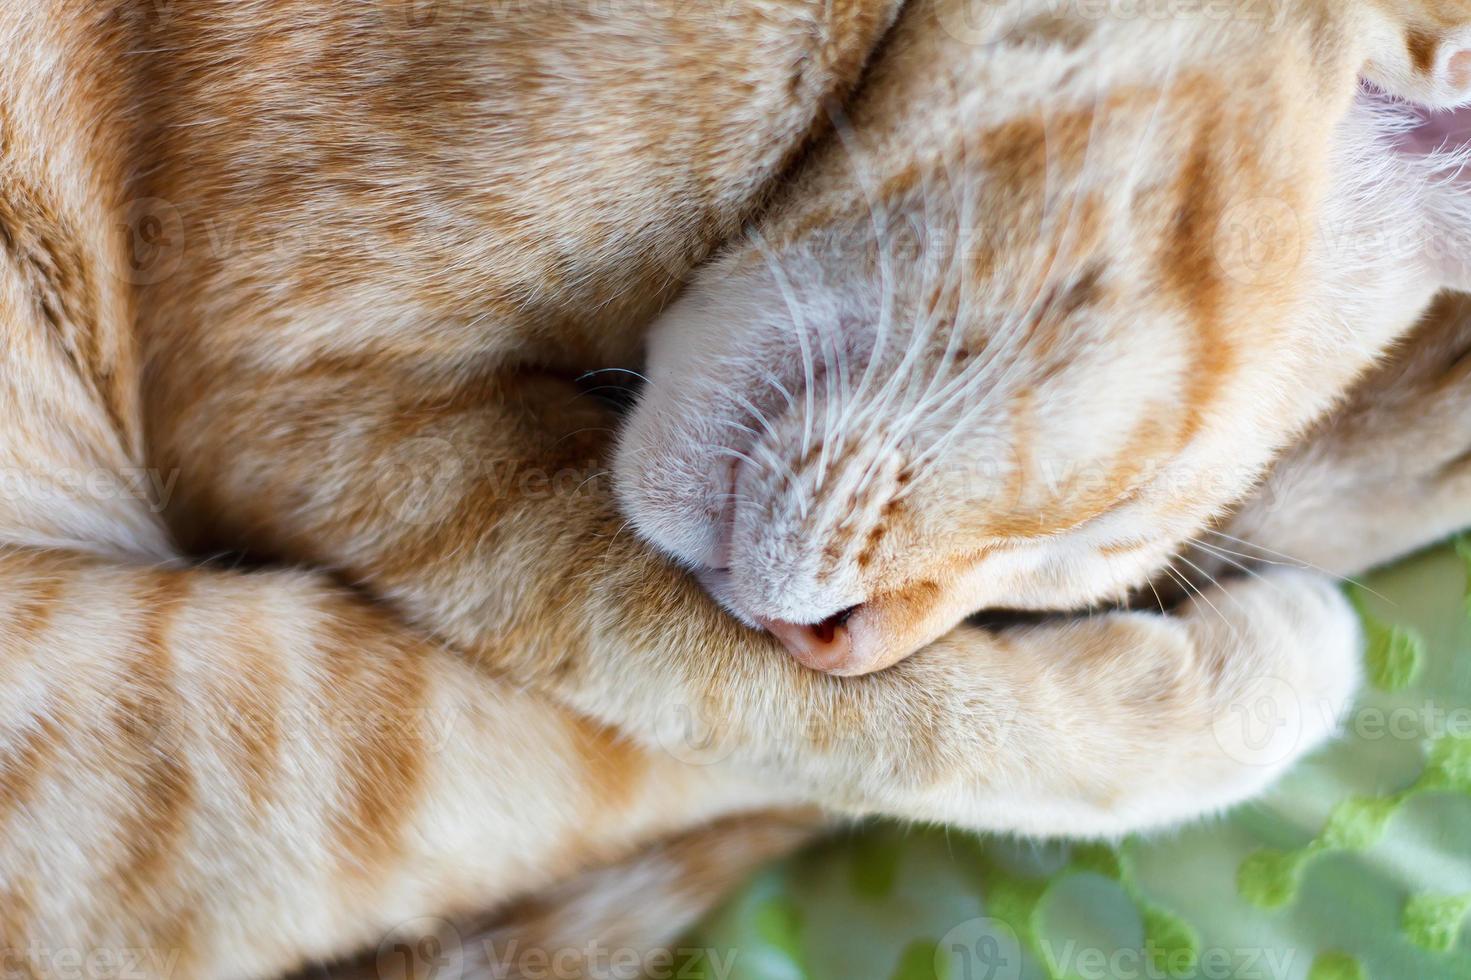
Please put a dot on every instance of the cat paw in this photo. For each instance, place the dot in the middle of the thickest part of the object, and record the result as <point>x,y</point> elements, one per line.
<point>1286,647</point>
<point>1106,725</point>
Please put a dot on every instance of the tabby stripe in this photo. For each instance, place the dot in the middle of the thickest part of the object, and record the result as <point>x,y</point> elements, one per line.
<point>21,770</point>
<point>148,713</point>
<point>17,908</point>
<point>33,613</point>
<point>1193,276</point>
<point>613,765</point>
<point>255,730</point>
<point>1422,48</point>
<point>20,775</point>
<point>383,755</point>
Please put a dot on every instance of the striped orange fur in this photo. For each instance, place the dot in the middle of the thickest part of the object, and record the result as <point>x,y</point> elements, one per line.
<point>320,613</point>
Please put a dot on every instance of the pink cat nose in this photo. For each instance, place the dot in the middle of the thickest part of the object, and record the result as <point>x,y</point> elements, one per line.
<point>826,646</point>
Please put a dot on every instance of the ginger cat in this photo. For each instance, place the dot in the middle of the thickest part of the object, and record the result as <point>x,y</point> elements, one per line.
<point>307,282</point>
<point>1386,473</point>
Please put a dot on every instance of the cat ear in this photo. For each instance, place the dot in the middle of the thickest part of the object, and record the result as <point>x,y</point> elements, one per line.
<point>1430,67</point>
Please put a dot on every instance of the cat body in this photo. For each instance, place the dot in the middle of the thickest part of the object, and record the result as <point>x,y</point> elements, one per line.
<point>307,283</point>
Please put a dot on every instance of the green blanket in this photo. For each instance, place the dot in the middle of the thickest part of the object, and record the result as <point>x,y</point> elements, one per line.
<point>1358,865</point>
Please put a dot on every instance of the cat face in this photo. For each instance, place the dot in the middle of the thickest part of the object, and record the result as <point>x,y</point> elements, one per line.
<point>1039,309</point>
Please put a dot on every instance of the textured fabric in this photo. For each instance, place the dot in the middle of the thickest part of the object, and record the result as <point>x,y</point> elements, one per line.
<point>1358,865</point>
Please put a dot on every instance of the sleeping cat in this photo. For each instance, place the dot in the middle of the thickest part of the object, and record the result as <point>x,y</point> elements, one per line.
<point>1387,472</point>
<point>1041,331</point>
<point>326,270</point>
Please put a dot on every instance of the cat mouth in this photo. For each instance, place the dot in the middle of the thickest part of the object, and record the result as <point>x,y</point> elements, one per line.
<point>826,645</point>
<point>1441,137</point>
<point>1438,133</point>
<point>829,646</point>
